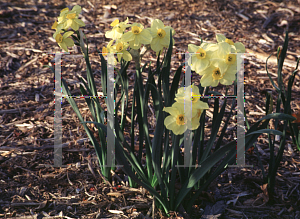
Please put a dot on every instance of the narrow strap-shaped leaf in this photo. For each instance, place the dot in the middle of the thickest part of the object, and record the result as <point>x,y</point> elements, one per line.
<point>174,86</point>
<point>156,151</point>
<point>94,142</point>
<point>274,85</point>
<point>206,165</point>
<point>166,72</point>
<point>175,154</point>
<point>214,131</point>
<point>225,126</point>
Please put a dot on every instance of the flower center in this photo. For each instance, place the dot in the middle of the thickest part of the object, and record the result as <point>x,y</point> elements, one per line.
<point>230,59</point>
<point>71,16</point>
<point>59,38</point>
<point>114,23</point>
<point>194,98</point>
<point>161,33</point>
<point>200,54</point>
<point>136,30</point>
<point>217,74</point>
<point>119,47</point>
<point>104,51</point>
<point>229,41</point>
<point>180,119</point>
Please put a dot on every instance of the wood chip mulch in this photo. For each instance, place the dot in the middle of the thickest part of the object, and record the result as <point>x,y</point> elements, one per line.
<point>31,188</point>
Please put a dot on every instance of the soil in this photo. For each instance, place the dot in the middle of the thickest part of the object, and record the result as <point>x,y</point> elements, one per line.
<point>30,187</point>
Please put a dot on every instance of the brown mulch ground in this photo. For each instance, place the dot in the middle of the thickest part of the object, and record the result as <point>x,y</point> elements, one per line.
<point>30,188</point>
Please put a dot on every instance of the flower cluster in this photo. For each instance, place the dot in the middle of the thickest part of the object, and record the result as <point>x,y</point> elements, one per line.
<point>157,36</point>
<point>186,111</point>
<point>67,19</point>
<point>217,63</point>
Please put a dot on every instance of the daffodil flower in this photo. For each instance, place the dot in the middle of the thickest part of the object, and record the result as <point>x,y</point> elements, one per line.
<point>197,110</point>
<point>121,49</point>
<point>191,91</point>
<point>176,121</point>
<point>235,47</point>
<point>109,49</point>
<point>70,18</point>
<point>161,35</point>
<point>226,61</point>
<point>64,41</point>
<point>213,75</point>
<point>190,97</point>
<point>137,36</point>
<point>200,57</point>
<point>118,29</point>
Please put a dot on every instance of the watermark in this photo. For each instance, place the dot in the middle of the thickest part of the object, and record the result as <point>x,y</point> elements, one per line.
<point>110,102</point>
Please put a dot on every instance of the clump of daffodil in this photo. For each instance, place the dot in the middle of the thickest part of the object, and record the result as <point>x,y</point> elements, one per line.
<point>186,111</point>
<point>118,29</point>
<point>64,41</point>
<point>201,55</point>
<point>120,48</point>
<point>137,36</point>
<point>226,62</point>
<point>223,63</point>
<point>160,35</point>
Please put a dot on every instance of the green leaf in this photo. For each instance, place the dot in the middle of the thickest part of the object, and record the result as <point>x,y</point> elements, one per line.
<point>281,116</point>
<point>267,131</point>
<point>52,69</point>
<point>206,165</point>
<point>274,85</point>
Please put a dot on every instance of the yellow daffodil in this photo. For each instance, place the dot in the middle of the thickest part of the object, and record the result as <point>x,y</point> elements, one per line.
<point>118,29</point>
<point>121,49</point>
<point>226,61</point>
<point>235,47</point>
<point>57,27</point>
<point>64,41</point>
<point>197,110</point>
<point>176,121</point>
<point>161,35</point>
<point>70,18</point>
<point>213,75</point>
<point>192,92</point>
<point>109,49</point>
<point>190,98</point>
<point>54,26</point>
<point>200,57</point>
<point>137,36</point>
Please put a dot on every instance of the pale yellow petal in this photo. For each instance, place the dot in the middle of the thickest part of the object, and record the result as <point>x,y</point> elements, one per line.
<point>69,42</point>
<point>63,46</point>
<point>79,22</point>
<point>145,37</point>
<point>127,56</point>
